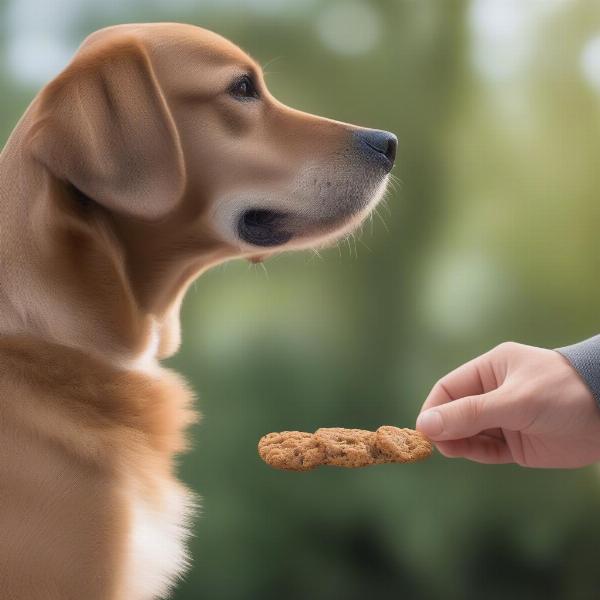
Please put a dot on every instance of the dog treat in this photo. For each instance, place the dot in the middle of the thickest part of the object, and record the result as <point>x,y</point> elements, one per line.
<point>293,450</point>
<point>339,447</point>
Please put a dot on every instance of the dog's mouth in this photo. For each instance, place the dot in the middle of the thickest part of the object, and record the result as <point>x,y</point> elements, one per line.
<point>264,227</point>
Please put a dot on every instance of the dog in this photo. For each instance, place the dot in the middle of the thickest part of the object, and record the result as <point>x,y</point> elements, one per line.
<point>157,153</point>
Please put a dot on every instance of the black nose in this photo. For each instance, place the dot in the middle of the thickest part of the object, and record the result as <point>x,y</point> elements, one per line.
<point>378,144</point>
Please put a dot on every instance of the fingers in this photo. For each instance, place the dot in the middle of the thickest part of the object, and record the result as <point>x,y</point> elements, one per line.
<point>468,416</point>
<point>473,378</point>
<point>480,448</point>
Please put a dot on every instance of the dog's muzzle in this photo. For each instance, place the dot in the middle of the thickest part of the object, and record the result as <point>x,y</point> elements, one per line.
<point>372,153</point>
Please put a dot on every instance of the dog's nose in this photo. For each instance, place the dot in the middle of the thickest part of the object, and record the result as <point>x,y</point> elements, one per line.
<point>378,144</point>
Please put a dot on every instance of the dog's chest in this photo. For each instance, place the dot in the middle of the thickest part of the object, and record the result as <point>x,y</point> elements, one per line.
<point>156,551</point>
<point>159,508</point>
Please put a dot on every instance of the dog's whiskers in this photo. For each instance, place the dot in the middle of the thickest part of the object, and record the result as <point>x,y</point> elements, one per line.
<point>347,239</point>
<point>385,205</point>
<point>264,269</point>
<point>255,266</point>
<point>269,63</point>
<point>376,211</point>
<point>365,245</point>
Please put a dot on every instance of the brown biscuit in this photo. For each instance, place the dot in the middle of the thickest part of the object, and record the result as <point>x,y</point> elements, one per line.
<point>347,447</point>
<point>292,450</point>
<point>402,445</point>
<point>336,446</point>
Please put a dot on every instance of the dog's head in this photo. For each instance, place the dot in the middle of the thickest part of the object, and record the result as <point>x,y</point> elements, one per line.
<point>170,123</point>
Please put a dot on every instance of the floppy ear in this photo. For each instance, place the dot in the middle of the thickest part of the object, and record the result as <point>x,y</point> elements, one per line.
<point>104,126</point>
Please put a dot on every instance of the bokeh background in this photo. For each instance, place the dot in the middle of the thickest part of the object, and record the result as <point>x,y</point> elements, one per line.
<point>492,233</point>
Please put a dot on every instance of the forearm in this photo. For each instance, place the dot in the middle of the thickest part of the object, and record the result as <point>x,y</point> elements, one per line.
<point>585,358</point>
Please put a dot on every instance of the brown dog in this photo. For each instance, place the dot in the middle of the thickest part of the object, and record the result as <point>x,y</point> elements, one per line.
<point>157,153</point>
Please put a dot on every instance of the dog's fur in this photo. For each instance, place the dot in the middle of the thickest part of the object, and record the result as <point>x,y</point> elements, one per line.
<point>123,181</point>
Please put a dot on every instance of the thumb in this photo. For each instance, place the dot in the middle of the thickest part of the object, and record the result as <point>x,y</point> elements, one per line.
<point>464,417</point>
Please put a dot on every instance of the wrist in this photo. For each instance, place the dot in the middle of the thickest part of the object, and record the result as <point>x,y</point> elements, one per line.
<point>584,357</point>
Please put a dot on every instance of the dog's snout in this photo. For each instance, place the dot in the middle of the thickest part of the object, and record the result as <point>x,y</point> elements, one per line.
<point>378,144</point>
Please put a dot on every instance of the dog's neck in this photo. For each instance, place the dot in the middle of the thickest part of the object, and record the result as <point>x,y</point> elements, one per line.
<point>98,283</point>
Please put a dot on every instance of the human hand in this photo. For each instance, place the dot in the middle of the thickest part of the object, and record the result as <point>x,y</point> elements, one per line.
<point>514,404</point>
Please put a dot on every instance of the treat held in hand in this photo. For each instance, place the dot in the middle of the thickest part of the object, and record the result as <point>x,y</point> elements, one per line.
<point>339,447</point>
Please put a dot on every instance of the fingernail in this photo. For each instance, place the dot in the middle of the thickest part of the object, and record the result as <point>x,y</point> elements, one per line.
<point>430,423</point>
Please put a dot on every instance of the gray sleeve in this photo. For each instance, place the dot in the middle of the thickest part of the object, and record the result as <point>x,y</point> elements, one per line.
<point>585,358</point>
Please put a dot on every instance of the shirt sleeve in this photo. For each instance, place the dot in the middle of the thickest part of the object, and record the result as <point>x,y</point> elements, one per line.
<point>585,358</point>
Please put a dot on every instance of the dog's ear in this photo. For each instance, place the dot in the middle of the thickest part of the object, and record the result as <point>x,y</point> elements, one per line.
<point>104,126</point>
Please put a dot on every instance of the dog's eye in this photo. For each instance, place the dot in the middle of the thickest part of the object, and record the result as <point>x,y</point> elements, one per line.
<point>243,88</point>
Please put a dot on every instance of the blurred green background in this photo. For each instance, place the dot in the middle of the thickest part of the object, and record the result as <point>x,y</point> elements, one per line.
<point>491,234</point>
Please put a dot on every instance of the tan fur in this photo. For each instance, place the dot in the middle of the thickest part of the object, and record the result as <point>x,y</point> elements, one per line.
<point>78,433</point>
<point>118,187</point>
